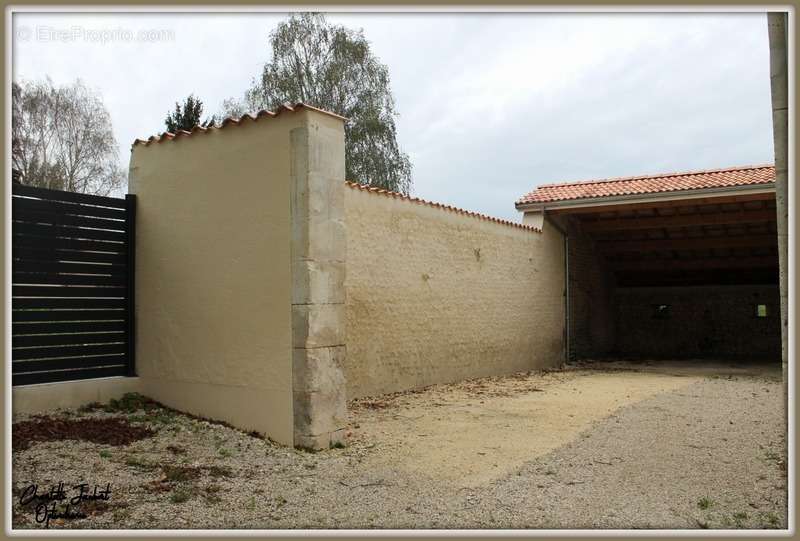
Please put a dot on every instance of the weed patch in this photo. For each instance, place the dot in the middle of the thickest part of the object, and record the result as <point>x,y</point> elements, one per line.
<point>219,471</point>
<point>705,503</point>
<point>770,520</point>
<point>181,495</point>
<point>180,473</point>
<point>130,403</point>
<point>740,518</point>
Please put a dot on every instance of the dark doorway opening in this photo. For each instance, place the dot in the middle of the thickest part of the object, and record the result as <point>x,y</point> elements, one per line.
<point>682,278</point>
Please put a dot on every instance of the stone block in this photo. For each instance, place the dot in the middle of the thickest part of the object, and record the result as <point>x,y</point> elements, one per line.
<point>326,148</point>
<point>319,413</point>
<point>780,130</point>
<point>327,239</point>
<point>318,282</point>
<point>320,441</point>
<point>325,195</point>
<point>312,443</point>
<point>318,325</point>
<point>318,369</point>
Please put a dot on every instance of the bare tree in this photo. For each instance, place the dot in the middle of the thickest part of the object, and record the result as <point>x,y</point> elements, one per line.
<point>62,139</point>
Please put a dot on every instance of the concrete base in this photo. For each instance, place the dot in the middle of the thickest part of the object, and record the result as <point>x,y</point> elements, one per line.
<point>70,394</point>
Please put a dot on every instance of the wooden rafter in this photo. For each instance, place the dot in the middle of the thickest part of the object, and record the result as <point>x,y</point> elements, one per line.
<point>696,264</point>
<point>696,243</point>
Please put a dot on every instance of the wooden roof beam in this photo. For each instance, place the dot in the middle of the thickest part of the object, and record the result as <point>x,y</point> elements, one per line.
<point>594,207</point>
<point>683,220</point>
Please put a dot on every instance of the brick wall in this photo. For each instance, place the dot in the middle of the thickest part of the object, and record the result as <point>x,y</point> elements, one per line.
<point>716,322</point>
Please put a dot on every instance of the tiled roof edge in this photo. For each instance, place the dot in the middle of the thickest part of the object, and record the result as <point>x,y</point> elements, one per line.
<point>530,197</point>
<point>397,195</point>
<point>663,175</point>
<point>168,136</point>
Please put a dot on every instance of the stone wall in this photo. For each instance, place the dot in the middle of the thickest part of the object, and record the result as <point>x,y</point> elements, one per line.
<point>713,322</point>
<point>435,295</point>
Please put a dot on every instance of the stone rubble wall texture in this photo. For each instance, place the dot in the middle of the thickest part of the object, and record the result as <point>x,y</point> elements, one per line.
<point>704,322</point>
<point>436,296</point>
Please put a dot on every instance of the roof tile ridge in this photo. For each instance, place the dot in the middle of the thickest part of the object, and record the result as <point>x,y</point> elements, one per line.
<point>227,121</point>
<point>434,204</point>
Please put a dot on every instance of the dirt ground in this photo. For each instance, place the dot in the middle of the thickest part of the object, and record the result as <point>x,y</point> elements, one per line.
<point>475,432</point>
<point>651,445</point>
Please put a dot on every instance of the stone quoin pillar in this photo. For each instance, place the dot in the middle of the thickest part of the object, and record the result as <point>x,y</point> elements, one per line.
<point>318,268</point>
<point>780,129</point>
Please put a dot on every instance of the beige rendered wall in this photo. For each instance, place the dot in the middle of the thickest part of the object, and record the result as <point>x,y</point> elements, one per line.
<point>213,273</point>
<point>435,295</point>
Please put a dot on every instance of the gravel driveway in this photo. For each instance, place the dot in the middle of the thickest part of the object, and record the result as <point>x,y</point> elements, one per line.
<point>659,449</point>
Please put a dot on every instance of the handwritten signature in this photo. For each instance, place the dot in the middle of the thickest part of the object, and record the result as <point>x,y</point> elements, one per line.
<point>50,505</point>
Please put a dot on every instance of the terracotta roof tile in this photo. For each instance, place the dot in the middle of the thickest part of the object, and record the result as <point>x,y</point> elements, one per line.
<point>168,136</point>
<point>668,182</point>
<point>396,195</point>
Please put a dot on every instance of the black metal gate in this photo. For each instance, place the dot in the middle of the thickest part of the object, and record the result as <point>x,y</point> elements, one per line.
<point>72,285</point>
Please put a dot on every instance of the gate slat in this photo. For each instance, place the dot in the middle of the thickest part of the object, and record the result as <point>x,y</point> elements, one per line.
<point>68,363</point>
<point>69,279</point>
<point>24,329</point>
<point>27,228</point>
<point>67,351</point>
<point>43,303</point>
<point>38,205</point>
<point>21,266</point>
<point>39,242</point>
<point>53,255</point>
<point>58,195</point>
<point>67,375</point>
<point>67,291</point>
<point>69,220</point>
<point>58,316</point>
<point>38,340</point>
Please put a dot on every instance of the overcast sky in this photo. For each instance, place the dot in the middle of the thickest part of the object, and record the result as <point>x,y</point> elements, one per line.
<point>490,105</point>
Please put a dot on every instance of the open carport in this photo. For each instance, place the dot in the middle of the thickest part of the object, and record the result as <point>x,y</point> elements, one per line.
<point>679,265</point>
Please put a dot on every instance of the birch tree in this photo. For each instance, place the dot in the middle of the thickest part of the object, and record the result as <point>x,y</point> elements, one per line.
<point>332,67</point>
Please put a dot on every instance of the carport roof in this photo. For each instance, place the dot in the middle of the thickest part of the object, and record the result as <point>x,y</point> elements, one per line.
<point>651,184</point>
